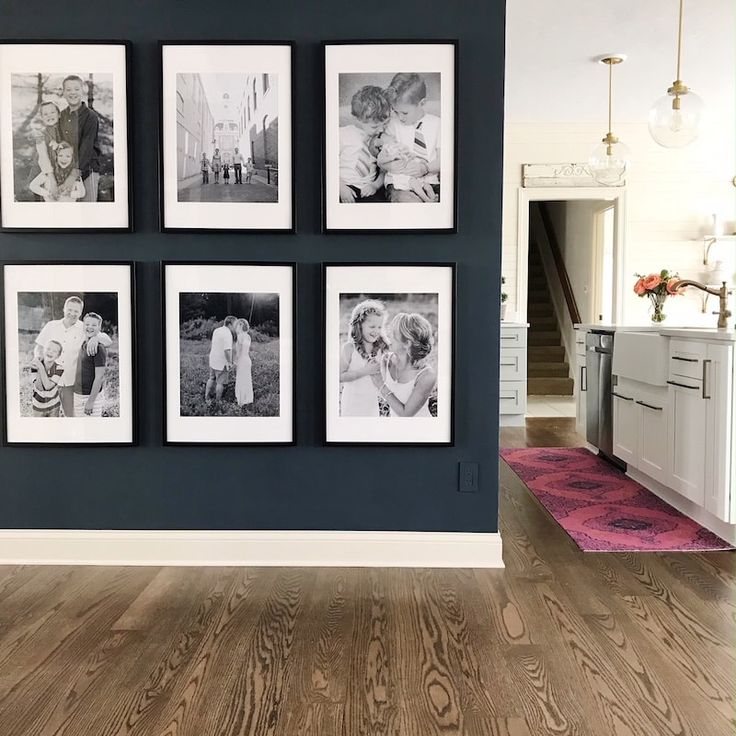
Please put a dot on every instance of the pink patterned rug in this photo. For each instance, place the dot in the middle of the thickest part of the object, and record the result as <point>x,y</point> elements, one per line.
<point>601,508</point>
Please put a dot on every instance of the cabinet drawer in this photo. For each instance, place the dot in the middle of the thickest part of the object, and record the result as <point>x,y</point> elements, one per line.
<point>686,359</point>
<point>513,364</point>
<point>512,398</point>
<point>579,343</point>
<point>513,337</point>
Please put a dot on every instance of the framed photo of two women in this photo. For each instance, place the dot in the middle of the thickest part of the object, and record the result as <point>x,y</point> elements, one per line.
<point>65,115</point>
<point>68,353</point>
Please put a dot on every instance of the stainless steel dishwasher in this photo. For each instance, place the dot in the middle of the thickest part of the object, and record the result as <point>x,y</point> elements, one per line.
<point>598,399</point>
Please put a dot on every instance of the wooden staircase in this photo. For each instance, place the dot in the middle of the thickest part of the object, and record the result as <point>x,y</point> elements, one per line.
<point>548,372</point>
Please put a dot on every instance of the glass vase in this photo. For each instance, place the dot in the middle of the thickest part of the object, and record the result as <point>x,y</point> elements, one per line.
<point>658,301</point>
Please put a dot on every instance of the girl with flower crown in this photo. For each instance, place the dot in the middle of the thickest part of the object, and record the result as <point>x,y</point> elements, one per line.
<point>406,380</point>
<point>359,359</point>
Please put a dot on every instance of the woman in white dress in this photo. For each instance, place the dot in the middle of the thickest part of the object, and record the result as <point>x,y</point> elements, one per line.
<point>405,380</point>
<point>359,360</point>
<point>243,365</point>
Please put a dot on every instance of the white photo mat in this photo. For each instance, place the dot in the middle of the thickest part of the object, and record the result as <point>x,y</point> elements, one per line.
<point>18,58</point>
<point>232,278</point>
<point>69,278</point>
<point>227,59</point>
<point>389,58</point>
<point>386,280</point>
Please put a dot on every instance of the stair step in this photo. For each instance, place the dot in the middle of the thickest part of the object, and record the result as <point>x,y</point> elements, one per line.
<point>549,386</point>
<point>542,323</point>
<point>539,309</point>
<point>548,370</point>
<point>545,353</point>
<point>538,295</point>
<point>537,281</point>
<point>545,338</point>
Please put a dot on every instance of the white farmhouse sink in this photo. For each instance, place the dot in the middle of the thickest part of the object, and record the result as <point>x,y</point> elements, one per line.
<point>641,356</point>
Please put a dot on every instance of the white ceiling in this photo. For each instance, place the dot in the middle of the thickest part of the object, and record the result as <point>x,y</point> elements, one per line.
<point>551,44</point>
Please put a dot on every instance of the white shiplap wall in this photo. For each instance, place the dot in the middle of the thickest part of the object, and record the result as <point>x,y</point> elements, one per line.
<point>671,195</point>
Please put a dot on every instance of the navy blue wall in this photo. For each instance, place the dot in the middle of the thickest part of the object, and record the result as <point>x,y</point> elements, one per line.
<point>308,486</point>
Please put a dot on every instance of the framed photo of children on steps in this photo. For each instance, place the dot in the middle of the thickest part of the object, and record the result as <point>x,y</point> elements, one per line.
<point>68,348</point>
<point>389,146</point>
<point>229,353</point>
<point>389,345</point>
<point>227,143</point>
<point>65,125</point>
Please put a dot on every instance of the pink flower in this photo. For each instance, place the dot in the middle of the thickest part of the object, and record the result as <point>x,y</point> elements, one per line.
<point>651,282</point>
<point>671,290</point>
<point>639,287</point>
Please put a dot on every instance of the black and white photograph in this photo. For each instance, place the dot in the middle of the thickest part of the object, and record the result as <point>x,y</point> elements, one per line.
<point>229,367</point>
<point>389,136</point>
<point>68,353</point>
<point>226,137</point>
<point>229,354</point>
<point>60,141</point>
<point>388,354</point>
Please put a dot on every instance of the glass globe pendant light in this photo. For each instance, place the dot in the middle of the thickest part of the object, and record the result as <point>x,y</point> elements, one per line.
<point>674,119</point>
<point>610,159</point>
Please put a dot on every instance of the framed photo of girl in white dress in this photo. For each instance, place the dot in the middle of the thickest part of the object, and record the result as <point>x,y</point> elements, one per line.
<point>229,353</point>
<point>389,353</point>
<point>64,136</point>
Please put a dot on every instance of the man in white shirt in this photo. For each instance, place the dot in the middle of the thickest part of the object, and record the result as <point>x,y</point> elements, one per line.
<point>221,359</point>
<point>238,166</point>
<point>69,333</point>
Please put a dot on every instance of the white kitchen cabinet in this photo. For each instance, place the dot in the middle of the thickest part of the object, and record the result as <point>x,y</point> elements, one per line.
<point>701,451</point>
<point>640,417</point>
<point>580,384</point>
<point>513,378</point>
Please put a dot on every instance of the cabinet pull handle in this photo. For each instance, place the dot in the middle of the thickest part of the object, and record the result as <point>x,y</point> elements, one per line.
<point>649,406</point>
<point>705,377</point>
<point>682,385</point>
<point>625,398</point>
<point>583,387</point>
<point>513,362</point>
<point>509,337</point>
<point>685,360</point>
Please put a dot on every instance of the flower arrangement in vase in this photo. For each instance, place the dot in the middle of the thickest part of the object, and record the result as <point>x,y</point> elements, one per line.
<point>657,286</point>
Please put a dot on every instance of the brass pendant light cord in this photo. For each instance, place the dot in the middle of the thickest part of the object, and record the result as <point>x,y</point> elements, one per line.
<point>679,40</point>
<point>610,96</point>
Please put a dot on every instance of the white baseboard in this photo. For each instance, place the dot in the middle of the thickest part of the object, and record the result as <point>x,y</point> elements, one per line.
<point>250,548</point>
<point>684,505</point>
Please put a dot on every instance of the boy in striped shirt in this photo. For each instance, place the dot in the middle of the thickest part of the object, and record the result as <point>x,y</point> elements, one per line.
<point>46,401</point>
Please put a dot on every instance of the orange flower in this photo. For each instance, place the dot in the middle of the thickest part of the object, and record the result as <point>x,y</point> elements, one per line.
<point>652,281</point>
<point>639,287</point>
<point>671,290</point>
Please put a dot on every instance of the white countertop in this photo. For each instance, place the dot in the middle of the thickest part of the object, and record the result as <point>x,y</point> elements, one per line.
<point>693,333</point>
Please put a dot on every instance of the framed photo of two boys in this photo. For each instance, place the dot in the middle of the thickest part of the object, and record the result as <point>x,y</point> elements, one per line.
<point>64,136</point>
<point>390,142</point>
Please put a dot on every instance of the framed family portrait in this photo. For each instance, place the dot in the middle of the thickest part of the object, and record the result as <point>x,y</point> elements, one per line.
<point>227,139</point>
<point>229,370</point>
<point>389,345</point>
<point>65,136</point>
<point>68,345</point>
<point>390,120</point>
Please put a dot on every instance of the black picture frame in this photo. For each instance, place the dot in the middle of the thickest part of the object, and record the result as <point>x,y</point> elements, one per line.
<point>135,411</point>
<point>161,168</point>
<point>128,46</point>
<point>286,264</point>
<point>452,265</point>
<point>455,184</point>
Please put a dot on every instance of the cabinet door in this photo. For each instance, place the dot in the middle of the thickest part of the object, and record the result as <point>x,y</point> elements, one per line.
<point>653,434</point>
<point>687,440</point>
<point>581,380</point>
<point>625,426</point>
<point>718,372</point>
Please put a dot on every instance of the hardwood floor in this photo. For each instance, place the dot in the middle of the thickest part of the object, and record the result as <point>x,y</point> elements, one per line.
<point>560,642</point>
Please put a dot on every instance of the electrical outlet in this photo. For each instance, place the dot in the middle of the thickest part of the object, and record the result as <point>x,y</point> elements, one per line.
<point>468,478</point>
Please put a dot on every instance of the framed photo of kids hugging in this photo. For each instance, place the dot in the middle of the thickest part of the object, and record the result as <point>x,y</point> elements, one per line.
<point>68,346</point>
<point>389,345</point>
<point>64,136</point>
<point>227,142</point>
<point>390,148</point>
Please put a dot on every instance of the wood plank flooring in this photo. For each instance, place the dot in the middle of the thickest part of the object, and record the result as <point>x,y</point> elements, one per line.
<point>560,642</point>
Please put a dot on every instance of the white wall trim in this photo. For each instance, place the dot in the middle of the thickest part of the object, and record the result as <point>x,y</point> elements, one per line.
<point>250,548</point>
